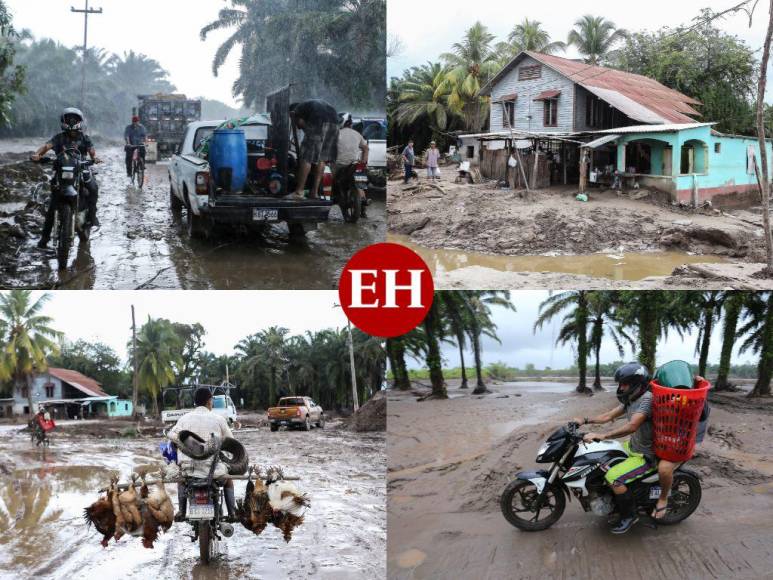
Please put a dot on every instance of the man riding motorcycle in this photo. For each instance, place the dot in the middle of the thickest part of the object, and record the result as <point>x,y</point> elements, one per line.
<point>352,148</point>
<point>72,136</point>
<point>204,423</point>
<point>135,136</point>
<point>636,404</point>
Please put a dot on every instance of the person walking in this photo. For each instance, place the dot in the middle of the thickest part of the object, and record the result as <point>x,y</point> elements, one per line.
<point>409,158</point>
<point>433,156</point>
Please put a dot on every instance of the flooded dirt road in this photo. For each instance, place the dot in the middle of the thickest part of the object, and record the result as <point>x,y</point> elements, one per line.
<point>450,460</point>
<point>42,497</point>
<point>142,245</point>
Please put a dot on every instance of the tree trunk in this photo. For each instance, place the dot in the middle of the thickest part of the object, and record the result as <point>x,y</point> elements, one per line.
<point>434,362</point>
<point>28,383</point>
<point>154,409</point>
<point>708,323</point>
<point>764,183</point>
<point>582,341</point>
<point>648,331</point>
<point>396,354</point>
<point>461,361</point>
<point>480,386</point>
<point>732,311</point>
<point>598,325</point>
<point>765,367</point>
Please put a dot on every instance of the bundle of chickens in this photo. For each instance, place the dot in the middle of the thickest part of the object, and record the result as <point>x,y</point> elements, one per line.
<point>270,499</point>
<point>143,514</point>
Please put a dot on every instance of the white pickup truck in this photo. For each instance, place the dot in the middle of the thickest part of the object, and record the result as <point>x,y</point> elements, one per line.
<point>373,129</point>
<point>259,205</point>
<point>221,404</point>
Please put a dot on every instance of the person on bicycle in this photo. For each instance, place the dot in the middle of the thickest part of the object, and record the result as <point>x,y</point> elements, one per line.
<point>636,404</point>
<point>352,148</point>
<point>72,136</point>
<point>204,423</point>
<point>135,136</point>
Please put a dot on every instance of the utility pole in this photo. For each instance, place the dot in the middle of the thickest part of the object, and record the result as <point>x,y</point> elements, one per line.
<point>135,384</point>
<point>86,11</point>
<point>355,399</point>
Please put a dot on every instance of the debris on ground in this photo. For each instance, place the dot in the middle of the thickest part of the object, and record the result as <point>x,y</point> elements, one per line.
<point>372,416</point>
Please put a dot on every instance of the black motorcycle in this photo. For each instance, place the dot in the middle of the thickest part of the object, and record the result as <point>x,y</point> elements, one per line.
<point>70,199</point>
<point>535,500</point>
<point>348,185</point>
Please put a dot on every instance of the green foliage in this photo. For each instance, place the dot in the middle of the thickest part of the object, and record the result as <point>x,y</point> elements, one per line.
<point>53,81</point>
<point>330,49</point>
<point>11,73</point>
<point>714,67</point>
<point>594,37</point>
<point>527,35</point>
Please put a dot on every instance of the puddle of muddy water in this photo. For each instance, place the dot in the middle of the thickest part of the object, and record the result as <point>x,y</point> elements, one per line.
<point>629,266</point>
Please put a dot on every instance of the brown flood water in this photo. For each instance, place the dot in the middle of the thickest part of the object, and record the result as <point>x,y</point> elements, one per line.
<point>629,266</point>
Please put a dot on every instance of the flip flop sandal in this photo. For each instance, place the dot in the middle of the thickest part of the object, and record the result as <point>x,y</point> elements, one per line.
<point>657,511</point>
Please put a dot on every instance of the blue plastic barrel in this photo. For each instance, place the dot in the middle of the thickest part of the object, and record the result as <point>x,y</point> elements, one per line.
<point>228,159</point>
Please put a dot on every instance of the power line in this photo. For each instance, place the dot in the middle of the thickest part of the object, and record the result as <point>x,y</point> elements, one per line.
<point>85,11</point>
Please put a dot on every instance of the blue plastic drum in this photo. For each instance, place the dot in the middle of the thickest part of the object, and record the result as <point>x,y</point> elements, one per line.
<point>228,159</point>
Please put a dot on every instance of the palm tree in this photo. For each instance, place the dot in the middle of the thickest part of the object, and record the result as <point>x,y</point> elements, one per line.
<point>594,37</point>
<point>471,63</point>
<point>734,303</point>
<point>478,304</point>
<point>265,358</point>
<point>433,330</point>
<point>759,312</point>
<point>528,35</point>
<point>423,97</point>
<point>27,340</point>
<point>158,353</point>
<point>708,309</point>
<point>602,318</point>
<point>457,316</point>
<point>396,351</point>
<point>574,325</point>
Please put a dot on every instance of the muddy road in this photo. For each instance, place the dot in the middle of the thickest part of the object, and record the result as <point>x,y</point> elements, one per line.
<point>141,244</point>
<point>482,233</point>
<point>43,534</point>
<point>450,460</point>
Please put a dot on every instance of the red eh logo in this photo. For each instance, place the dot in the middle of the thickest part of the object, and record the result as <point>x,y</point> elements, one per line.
<point>386,290</point>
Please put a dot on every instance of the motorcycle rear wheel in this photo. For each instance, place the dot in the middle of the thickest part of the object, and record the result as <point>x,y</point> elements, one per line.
<point>206,542</point>
<point>684,499</point>
<point>519,489</point>
<point>353,206</point>
<point>65,238</point>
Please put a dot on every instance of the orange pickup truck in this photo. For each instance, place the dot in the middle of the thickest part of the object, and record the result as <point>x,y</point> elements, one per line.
<point>298,412</point>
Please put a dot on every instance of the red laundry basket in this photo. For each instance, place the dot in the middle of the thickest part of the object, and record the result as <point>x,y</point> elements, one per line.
<point>675,416</point>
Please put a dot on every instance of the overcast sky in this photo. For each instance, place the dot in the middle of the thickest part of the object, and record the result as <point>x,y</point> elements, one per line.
<point>227,315</point>
<point>521,346</point>
<point>166,30</point>
<point>427,29</point>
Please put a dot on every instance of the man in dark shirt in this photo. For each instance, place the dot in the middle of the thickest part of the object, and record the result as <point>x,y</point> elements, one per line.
<point>319,122</point>
<point>134,135</point>
<point>72,136</point>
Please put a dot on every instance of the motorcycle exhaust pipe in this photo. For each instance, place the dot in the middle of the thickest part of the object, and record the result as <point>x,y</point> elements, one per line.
<point>226,529</point>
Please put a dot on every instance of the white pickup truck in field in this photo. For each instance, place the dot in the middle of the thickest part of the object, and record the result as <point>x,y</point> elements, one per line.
<point>221,404</point>
<point>261,202</point>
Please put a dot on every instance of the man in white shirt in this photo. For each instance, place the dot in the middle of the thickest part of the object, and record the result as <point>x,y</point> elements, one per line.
<point>204,423</point>
<point>352,147</point>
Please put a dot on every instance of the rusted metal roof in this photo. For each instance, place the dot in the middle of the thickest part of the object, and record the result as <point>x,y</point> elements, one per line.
<point>544,95</point>
<point>510,97</point>
<point>79,381</point>
<point>662,105</point>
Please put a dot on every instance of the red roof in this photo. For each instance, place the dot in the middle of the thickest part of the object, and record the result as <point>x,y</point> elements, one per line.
<point>666,104</point>
<point>547,95</point>
<point>81,382</point>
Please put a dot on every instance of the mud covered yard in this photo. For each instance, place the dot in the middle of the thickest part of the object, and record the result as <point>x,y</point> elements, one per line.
<point>484,219</point>
<point>43,493</point>
<point>143,245</point>
<point>449,461</point>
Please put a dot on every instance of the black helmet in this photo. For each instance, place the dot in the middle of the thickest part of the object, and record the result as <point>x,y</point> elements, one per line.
<point>71,119</point>
<point>636,376</point>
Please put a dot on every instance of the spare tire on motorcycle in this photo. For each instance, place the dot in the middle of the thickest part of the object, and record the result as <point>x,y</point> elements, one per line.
<point>234,455</point>
<point>679,400</point>
<point>195,447</point>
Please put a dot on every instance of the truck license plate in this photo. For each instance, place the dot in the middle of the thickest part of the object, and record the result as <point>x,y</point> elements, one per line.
<point>265,215</point>
<point>654,492</point>
<point>201,512</point>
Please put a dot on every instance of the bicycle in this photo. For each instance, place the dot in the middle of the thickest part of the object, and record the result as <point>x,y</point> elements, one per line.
<point>138,167</point>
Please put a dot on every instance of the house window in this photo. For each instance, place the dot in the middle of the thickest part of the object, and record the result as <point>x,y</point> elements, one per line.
<point>49,391</point>
<point>24,392</point>
<point>470,151</point>
<point>717,147</point>
<point>510,112</point>
<point>527,73</point>
<point>551,112</point>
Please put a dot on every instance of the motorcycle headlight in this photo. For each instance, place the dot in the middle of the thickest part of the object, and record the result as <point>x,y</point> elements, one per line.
<point>542,449</point>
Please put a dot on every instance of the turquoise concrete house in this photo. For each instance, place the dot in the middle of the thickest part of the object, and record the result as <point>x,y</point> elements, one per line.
<point>689,161</point>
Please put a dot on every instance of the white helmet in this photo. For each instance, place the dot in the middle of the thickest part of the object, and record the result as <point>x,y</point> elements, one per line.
<point>71,119</point>
<point>346,118</point>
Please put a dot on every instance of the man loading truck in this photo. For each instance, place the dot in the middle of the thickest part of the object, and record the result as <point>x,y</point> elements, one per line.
<point>319,122</point>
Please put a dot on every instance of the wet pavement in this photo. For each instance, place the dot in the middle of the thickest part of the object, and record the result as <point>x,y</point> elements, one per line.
<point>141,244</point>
<point>43,534</point>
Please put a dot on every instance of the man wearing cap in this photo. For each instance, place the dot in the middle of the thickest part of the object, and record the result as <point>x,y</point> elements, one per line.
<point>204,423</point>
<point>134,135</point>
